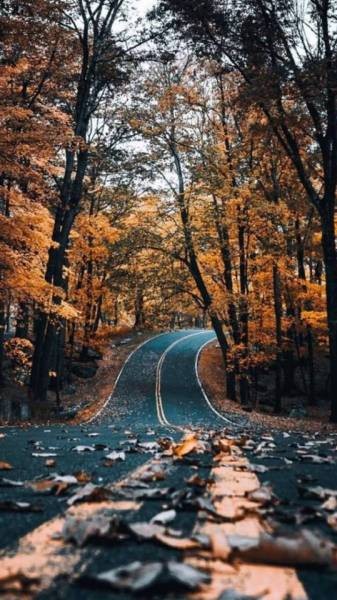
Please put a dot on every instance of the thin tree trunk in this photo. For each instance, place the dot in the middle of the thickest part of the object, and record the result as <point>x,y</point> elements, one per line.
<point>2,339</point>
<point>139,309</point>
<point>22,320</point>
<point>330,262</point>
<point>311,366</point>
<point>299,251</point>
<point>88,311</point>
<point>244,381</point>
<point>278,332</point>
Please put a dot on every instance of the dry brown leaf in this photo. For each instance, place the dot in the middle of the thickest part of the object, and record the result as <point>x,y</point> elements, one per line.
<point>219,545</point>
<point>135,576</point>
<point>5,466</point>
<point>89,493</point>
<point>332,520</point>
<point>197,481</point>
<point>262,495</point>
<point>82,476</point>
<point>164,517</point>
<point>17,582</point>
<point>306,549</point>
<point>153,473</point>
<point>186,446</point>
<point>81,530</point>
<point>44,485</point>
<point>177,543</point>
<point>187,575</point>
<point>9,505</point>
<point>330,503</point>
<point>146,530</point>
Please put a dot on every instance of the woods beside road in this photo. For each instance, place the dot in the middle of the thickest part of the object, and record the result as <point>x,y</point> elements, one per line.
<point>168,299</point>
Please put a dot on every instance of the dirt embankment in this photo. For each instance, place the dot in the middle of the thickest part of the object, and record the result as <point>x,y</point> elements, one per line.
<point>93,393</point>
<point>212,375</point>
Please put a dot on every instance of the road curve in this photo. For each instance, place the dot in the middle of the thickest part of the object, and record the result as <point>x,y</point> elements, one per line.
<point>158,384</point>
<point>183,401</point>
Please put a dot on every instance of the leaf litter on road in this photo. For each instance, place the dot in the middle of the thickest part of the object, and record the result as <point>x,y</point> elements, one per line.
<point>138,576</point>
<point>302,548</point>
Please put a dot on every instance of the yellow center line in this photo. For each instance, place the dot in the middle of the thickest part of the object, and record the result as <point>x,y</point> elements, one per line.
<point>268,582</point>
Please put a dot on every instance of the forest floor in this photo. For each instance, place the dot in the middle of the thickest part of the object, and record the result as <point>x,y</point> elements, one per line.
<point>92,393</point>
<point>310,418</point>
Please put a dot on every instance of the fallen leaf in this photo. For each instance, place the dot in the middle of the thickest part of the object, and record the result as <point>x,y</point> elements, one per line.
<point>146,530</point>
<point>17,582</point>
<point>330,503</point>
<point>316,492</point>
<point>153,473</point>
<point>10,505</point>
<point>79,530</point>
<point>197,481</point>
<point>89,493</point>
<point>10,482</point>
<point>206,505</point>
<point>149,446</point>
<point>185,447</point>
<point>43,485</point>
<point>263,495</point>
<point>5,466</point>
<point>258,468</point>
<point>219,545</point>
<point>59,484</point>
<point>43,454</point>
<point>315,458</point>
<point>82,476</point>
<point>81,448</point>
<point>164,517</point>
<point>135,576</point>
<point>305,549</point>
<point>234,595</point>
<point>178,543</point>
<point>187,575</point>
<point>113,456</point>
<point>138,493</point>
<point>332,520</point>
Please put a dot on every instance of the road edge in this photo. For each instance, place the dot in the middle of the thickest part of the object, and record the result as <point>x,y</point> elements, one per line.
<point>100,410</point>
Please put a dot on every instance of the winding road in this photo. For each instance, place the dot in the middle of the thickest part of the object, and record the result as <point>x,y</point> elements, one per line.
<point>157,394</point>
<point>159,385</point>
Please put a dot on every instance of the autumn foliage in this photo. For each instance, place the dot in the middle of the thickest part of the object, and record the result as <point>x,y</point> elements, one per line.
<point>151,193</point>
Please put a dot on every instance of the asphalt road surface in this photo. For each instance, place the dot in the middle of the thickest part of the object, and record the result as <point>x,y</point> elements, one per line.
<point>159,384</point>
<point>157,394</point>
<point>133,409</point>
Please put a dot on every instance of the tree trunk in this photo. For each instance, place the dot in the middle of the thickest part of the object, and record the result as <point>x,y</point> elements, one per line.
<point>299,251</point>
<point>244,338</point>
<point>311,366</point>
<point>139,309</point>
<point>88,312</point>
<point>22,320</point>
<point>48,326</point>
<point>278,332</point>
<point>2,339</point>
<point>330,263</point>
